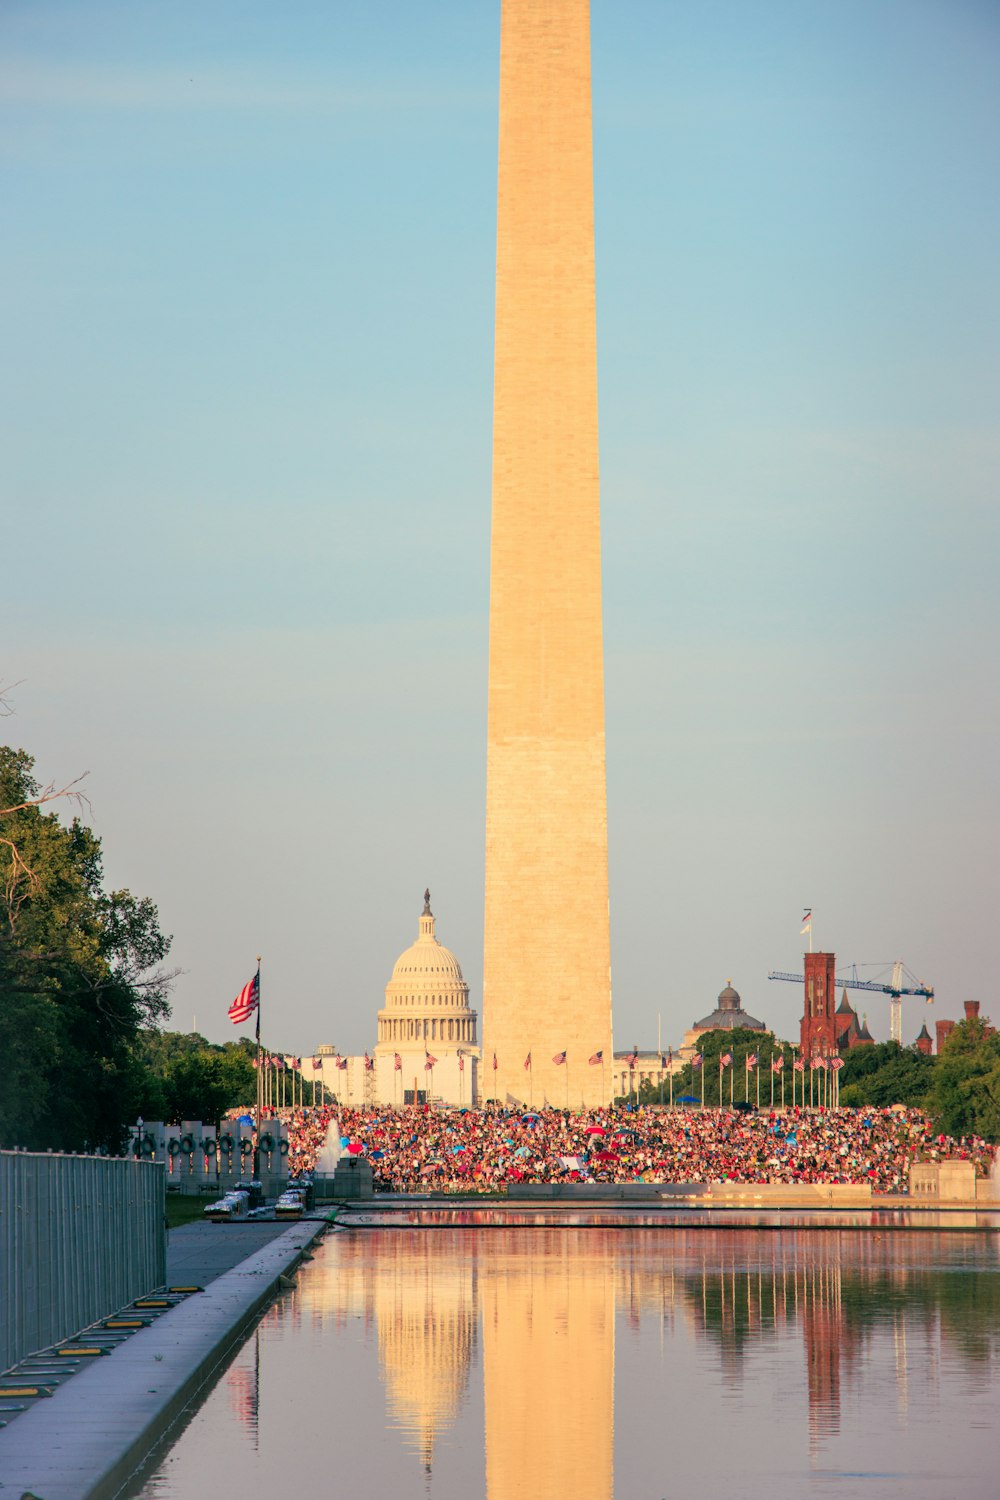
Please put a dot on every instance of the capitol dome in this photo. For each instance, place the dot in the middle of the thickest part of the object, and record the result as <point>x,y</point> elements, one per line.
<point>427,998</point>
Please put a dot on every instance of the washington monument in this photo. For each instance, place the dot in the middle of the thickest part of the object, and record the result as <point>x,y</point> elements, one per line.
<point>547,956</point>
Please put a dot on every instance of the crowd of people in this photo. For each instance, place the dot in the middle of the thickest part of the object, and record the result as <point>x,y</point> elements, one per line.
<point>492,1149</point>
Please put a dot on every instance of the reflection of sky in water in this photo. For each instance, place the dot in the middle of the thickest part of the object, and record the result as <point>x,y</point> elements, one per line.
<point>577,1363</point>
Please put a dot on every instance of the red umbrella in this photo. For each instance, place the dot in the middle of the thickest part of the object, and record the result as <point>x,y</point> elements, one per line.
<point>595,1130</point>
<point>355,1148</point>
<point>605,1156</point>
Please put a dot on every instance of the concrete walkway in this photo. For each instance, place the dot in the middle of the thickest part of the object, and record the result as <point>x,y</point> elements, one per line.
<point>93,1433</point>
<point>198,1253</point>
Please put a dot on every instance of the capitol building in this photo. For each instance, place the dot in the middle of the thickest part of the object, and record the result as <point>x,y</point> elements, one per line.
<point>426,1047</point>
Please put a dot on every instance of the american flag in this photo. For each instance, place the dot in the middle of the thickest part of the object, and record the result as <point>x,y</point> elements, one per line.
<point>342,1064</point>
<point>725,1059</point>
<point>595,1058</point>
<point>751,1060</point>
<point>495,1063</point>
<point>778,1063</point>
<point>696,1061</point>
<point>461,1060</point>
<point>836,1064</point>
<point>430,1062</point>
<point>397,1062</point>
<point>634,1058</point>
<point>369,1063</point>
<point>246,1001</point>
<point>317,1063</point>
<point>559,1059</point>
<point>527,1063</point>
<point>799,1064</point>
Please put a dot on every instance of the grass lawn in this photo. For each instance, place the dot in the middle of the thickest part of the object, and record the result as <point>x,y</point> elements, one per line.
<point>181,1209</point>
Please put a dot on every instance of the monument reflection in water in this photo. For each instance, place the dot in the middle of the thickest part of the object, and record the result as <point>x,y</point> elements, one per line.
<point>563,1363</point>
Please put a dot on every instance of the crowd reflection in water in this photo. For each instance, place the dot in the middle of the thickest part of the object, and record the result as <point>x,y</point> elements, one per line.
<point>539,1312</point>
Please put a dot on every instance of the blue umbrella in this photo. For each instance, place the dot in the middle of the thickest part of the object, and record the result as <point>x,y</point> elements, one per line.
<point>245,1120</point>
<point>688,1099</point>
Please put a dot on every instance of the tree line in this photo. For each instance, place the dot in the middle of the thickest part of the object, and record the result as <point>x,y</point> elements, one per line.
<point>959,1089</point>
<point>83,992</point>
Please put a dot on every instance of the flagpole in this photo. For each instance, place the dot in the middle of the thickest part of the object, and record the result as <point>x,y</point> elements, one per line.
<point>256,1149</point>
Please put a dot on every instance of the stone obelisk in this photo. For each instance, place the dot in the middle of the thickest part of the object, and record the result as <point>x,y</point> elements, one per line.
<point>547,960</point>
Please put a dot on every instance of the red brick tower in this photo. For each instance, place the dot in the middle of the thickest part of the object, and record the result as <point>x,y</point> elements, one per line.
<point>944,1030</point>
<point>819,1022</point>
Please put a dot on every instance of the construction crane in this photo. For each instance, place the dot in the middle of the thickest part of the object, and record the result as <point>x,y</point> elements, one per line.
<point>895,989</point>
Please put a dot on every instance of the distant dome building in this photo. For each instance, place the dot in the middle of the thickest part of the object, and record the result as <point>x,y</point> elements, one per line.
<point>426,1016</point>
<point>728,1015</point>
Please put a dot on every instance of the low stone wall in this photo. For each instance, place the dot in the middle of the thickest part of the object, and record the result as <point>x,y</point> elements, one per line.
<point>792,1195</point>
<point>943,1182</point>
<point>593,1192</point>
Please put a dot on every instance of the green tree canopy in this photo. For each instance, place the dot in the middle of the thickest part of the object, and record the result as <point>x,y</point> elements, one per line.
<point>886,1074</point>
<point>965,1099</point>
<point>186,1077</point>
<point>740,1042</point>
<point>78,977</point>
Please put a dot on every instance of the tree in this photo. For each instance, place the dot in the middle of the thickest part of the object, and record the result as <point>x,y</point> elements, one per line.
<point>186,1077</point>
<point>740,1042</point>
<point>78,976</point>
<point>886,1074</point>
<point>965,1099</point>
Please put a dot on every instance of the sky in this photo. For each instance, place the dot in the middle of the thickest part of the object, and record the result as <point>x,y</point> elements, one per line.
<point>246,281</point>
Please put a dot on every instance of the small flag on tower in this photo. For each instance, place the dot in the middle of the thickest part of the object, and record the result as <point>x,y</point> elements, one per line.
<point>807,920</point>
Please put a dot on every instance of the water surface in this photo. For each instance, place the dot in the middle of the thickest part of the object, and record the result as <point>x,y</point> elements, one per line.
<point>588,1363</point>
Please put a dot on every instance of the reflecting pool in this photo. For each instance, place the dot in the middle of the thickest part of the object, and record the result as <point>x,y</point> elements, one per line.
<point>587,1363</point>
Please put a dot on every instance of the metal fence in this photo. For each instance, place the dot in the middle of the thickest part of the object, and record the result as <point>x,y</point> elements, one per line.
<point>80,1236</point>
